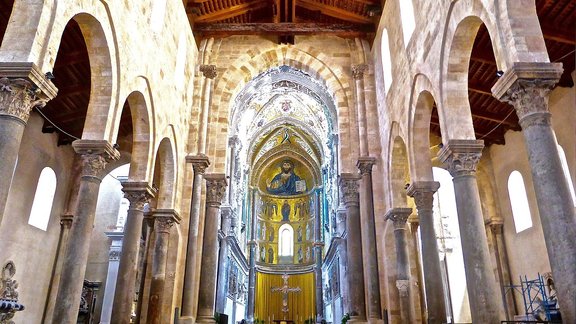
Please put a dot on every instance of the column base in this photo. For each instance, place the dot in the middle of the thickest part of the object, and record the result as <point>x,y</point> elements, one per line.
<point>186,320</point>
<point>356,320</point>
<point>205,320</point>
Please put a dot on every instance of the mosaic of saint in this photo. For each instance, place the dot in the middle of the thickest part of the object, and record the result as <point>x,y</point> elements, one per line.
<point>286,182</point>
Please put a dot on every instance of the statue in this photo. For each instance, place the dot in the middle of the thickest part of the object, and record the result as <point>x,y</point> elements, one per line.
<point>284,183</point>
<point>270,255</point>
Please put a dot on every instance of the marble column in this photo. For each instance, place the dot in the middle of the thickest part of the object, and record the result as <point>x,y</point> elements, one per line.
<point>461,158</point>
<point>138,194</point>
<point>526,86</point>
<point>399,216</point>
<point>318,246</point>
<point>225,235</point>
<point>365,165</point>
<point>349,184</point>
<point>199,165</point>
<point>250,305</point>
<point>22,87</point>
<point>215,191</point>
<point>496,225</point>
<point>423,194</point>
<point>163,219</point>
<point>95,155</point>
<point>112,276</point>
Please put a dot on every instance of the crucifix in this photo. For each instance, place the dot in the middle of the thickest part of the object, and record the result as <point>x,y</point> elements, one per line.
<point>285,289</point>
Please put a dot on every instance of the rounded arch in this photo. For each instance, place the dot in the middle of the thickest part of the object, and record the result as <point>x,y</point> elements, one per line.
<point>463,21</point>
<point>286,240</point>
<point>310,61</point>
<point>422,101</point>
<point>399,174</point>
<point>165,174</point>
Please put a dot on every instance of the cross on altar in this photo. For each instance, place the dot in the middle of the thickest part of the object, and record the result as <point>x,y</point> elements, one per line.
<point>285,289</point>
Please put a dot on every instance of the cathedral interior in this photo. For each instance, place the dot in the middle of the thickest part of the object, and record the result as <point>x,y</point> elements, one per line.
<point>287,161</point>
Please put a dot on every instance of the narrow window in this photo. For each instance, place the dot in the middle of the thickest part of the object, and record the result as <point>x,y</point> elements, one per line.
<point>519,202</point>
<point>567,173</point>
<point>43,198</point>
<point>286,240</point>
<point>408,22</point>
<point>386,60</point>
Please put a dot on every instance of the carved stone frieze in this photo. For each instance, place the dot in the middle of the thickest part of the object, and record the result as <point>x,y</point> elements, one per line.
<point>349,185</point>
<point>209,71</point>
<point>365,164</point>
<point>215,189</point>
<point>423,193</point>
<point>18,97</point>
<point>398,216</point>
<point>358,71</point>
<point>461,156</point>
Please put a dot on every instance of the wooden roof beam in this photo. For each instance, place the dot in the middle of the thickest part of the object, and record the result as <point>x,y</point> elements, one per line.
<point>230,12</point>
<point>558,35</point>
<point>334,11</point>
<point>224,30</point>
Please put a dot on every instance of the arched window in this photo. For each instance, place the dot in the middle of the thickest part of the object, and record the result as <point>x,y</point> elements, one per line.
<point>43,198</point>
<point>286,240</point>
<point>386,60</point>
<point>408,22</point>
<point>519,202</point>
<point>567,173</point>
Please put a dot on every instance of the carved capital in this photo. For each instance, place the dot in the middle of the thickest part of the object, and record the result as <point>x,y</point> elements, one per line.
<point>403,287</point>
<point>526,86</point>
<point>234,141</point>
<point>95,155</point>
<point>461,156</point>
<point>164,219</point>
<point>66,221</point>
<point>209,71</point>
<point>365,164</point>
<point>349,184</point>
<point>398,216</point>
<point>358,71</point>
<point>496,225</point>
<point>215,189</point>
<point>423,193</point>
<point>138,193</point>
<point>22,87</point>
<point>199,163</point>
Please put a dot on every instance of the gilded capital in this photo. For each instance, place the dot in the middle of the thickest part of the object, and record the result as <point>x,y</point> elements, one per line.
<point>215,189</point>
<point>349,184</point>
<point>209,71</point>
<point>461,157</point>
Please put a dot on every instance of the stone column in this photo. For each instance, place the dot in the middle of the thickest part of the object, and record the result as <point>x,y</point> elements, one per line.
<point>138,194</point>
<point>95,155</point>
<point>349,184</point>
<point>496,225</point>
<point>199,164</point>
<point>318,246</point>
<point>526,86</point>
<point>415,254</point>
<point>358,75</point>
<point>365,164</point>
<point>423,194</point>
<point>461,158</point>
<point>225,235</point>
<point>399,216</point>
<point>164,219</point>
<point>342,256</point>
<point>210,73</point>
<point>22,87</point>
<point>215,191</point>
<point>234,145</point>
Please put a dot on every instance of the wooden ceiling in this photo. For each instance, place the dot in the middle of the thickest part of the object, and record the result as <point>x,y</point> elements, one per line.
<point>491,117</point>
<point>285,19</point>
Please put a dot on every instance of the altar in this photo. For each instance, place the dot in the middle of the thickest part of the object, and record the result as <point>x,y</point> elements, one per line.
<point>283,322</point>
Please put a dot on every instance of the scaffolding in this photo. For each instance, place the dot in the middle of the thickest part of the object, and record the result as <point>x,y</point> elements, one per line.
<point>537,303</point>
